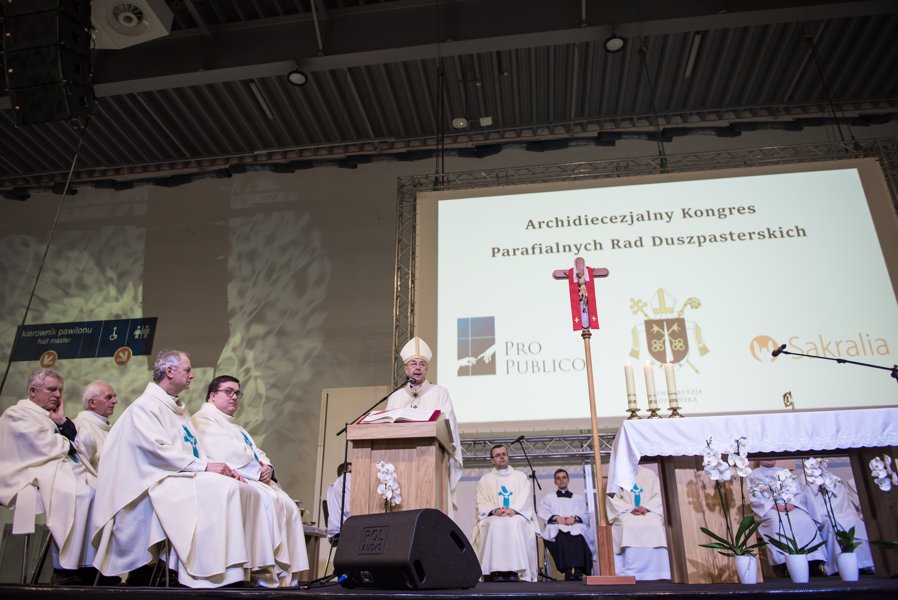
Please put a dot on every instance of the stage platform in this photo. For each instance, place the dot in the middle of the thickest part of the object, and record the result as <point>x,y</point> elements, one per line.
<point>823,588</point>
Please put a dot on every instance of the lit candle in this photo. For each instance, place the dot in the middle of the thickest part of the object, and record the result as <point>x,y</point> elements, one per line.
<point>671,380</point>
<point>631,386</point>
<point>650,385</point>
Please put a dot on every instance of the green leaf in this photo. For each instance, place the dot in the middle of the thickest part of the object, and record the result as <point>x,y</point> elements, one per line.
<point>713,535</point>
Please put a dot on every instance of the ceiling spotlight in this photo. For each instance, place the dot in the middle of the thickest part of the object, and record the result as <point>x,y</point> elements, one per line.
<point>613,44</point>
<point>297,77</point>
<point>460,123</point>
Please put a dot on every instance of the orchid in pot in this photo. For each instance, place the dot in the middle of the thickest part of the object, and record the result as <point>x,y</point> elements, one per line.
<point>743,544</point>
<point>830,487</point>
<point>885,479</point>
<point>782,488</point>
<point>387,486</point>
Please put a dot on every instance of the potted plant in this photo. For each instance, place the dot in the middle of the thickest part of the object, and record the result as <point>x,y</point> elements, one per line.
<point>782,488</point>
<point>743,544</point>
<point>829,486</point>
<point>885,478</point>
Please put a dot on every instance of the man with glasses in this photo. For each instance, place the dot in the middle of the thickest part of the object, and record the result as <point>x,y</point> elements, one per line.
<point>505,528</point>
<point>99,400</point>
<point>420,393</point>
<point>227,442</point>
<point>156,484</point>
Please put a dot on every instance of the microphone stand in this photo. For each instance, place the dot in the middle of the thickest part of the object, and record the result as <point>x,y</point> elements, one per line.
<point>346,453</point>
<point>893,369</point>
<point>541,573</point>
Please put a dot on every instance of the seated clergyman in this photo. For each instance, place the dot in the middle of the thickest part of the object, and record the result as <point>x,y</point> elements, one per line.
<point>505,530</point>
<point>637,529</point>
<point>228,442</point>
<point>41,473</point>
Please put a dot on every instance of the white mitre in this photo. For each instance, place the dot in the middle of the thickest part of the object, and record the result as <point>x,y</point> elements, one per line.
<point>415,348</point>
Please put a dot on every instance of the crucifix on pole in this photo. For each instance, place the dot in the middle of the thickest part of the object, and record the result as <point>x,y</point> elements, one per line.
<point>584,317</point>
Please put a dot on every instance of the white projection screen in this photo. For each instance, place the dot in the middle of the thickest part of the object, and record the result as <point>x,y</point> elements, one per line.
<point>737,261</point>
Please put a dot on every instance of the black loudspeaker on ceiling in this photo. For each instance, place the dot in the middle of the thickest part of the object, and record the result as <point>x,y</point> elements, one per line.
<point>46,59</point>
<point>407,549</point>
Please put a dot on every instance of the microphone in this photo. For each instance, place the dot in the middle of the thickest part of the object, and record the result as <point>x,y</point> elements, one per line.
<point>518,439</point>
<point>409,379</point>
<point>779,350</point>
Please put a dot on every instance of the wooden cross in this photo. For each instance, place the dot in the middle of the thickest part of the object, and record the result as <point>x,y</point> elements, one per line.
<point>584,317</point>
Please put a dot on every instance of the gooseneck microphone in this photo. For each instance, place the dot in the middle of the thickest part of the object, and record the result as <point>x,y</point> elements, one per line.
<point>520,438</point>
<point>779,350</point>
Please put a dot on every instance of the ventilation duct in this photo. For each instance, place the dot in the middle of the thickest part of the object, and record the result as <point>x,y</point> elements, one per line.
<point>122,23</point>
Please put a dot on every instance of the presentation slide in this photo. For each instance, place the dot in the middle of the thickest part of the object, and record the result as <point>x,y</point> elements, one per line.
<point>709,275</point>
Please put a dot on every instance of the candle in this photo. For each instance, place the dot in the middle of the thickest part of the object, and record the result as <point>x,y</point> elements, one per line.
<point>670,378</point>
<point>631,386</point>
<point>650,385</point>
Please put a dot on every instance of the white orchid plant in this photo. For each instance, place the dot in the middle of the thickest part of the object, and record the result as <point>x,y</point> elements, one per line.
<point>886,479</point>
<point>387,486</point>
<point>829,486</point>
<point>782,489</point>
<point>720,470</point>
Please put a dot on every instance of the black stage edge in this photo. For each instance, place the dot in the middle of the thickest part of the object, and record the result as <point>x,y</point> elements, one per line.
<point>824,588</point>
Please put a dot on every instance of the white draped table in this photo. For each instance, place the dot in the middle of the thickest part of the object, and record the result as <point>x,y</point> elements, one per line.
<point>689,496</point>
<point>767,432</point>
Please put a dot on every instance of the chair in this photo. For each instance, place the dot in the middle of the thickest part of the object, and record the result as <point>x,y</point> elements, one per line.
<point>24,524</point>
<point>333,540</point>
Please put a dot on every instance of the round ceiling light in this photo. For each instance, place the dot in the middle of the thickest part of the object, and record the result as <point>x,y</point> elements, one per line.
<point>614,44</point>
<point>297,77</point>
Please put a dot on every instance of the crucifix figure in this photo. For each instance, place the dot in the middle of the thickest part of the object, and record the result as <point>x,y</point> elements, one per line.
<point>584,318</point>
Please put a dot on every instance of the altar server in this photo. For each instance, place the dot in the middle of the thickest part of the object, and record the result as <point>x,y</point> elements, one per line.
<point>637,529</point>
<point>568,532</point>
<point>505,528</point>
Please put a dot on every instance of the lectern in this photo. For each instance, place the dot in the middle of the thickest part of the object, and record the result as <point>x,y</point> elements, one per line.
<point>419,451</point>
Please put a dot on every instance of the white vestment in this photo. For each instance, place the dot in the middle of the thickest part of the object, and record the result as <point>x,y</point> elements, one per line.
<point>434,397</point>
<point>506,543</point>
<point>226,441</point>
<point>92,432</point>
<point>153,486</point>
<point>37,475</point>
<point>847,516</point>
<point>575,506</point>
<point>336,499</point>
<point>773,522</point>
<point>640,541</point>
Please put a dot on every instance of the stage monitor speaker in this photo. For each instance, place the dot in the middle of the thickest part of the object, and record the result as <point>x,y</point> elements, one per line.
<point>407,549</point>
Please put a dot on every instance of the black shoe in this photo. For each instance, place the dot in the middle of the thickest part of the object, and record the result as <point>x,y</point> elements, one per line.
<point>140,577</point>
<point>67,577</point>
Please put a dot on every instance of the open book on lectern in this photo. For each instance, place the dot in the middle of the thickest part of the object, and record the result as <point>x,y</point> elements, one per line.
<point>401,415</point>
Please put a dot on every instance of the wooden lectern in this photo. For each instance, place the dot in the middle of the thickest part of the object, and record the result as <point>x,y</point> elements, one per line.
<point>419,451</point>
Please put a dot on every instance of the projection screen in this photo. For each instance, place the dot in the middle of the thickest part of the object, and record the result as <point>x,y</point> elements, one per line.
<point>708,271</point>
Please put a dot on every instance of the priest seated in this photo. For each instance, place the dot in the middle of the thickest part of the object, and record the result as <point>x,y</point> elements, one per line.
<point>637,529</point>
<point>505,528</point>
<point>156,484</point>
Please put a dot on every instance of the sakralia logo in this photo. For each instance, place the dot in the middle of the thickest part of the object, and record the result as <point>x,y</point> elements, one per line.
<point>861,345</point>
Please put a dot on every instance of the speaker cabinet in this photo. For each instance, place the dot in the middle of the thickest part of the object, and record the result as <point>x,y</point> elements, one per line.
<point>46,59</point>
<point>409,549</point>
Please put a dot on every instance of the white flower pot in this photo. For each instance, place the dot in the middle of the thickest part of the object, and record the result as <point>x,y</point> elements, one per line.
<point>747,569</point>
<point>798,567</point>
<point>847,563</point>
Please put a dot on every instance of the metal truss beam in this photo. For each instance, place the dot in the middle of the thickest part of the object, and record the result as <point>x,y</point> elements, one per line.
<point>541,449</point>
